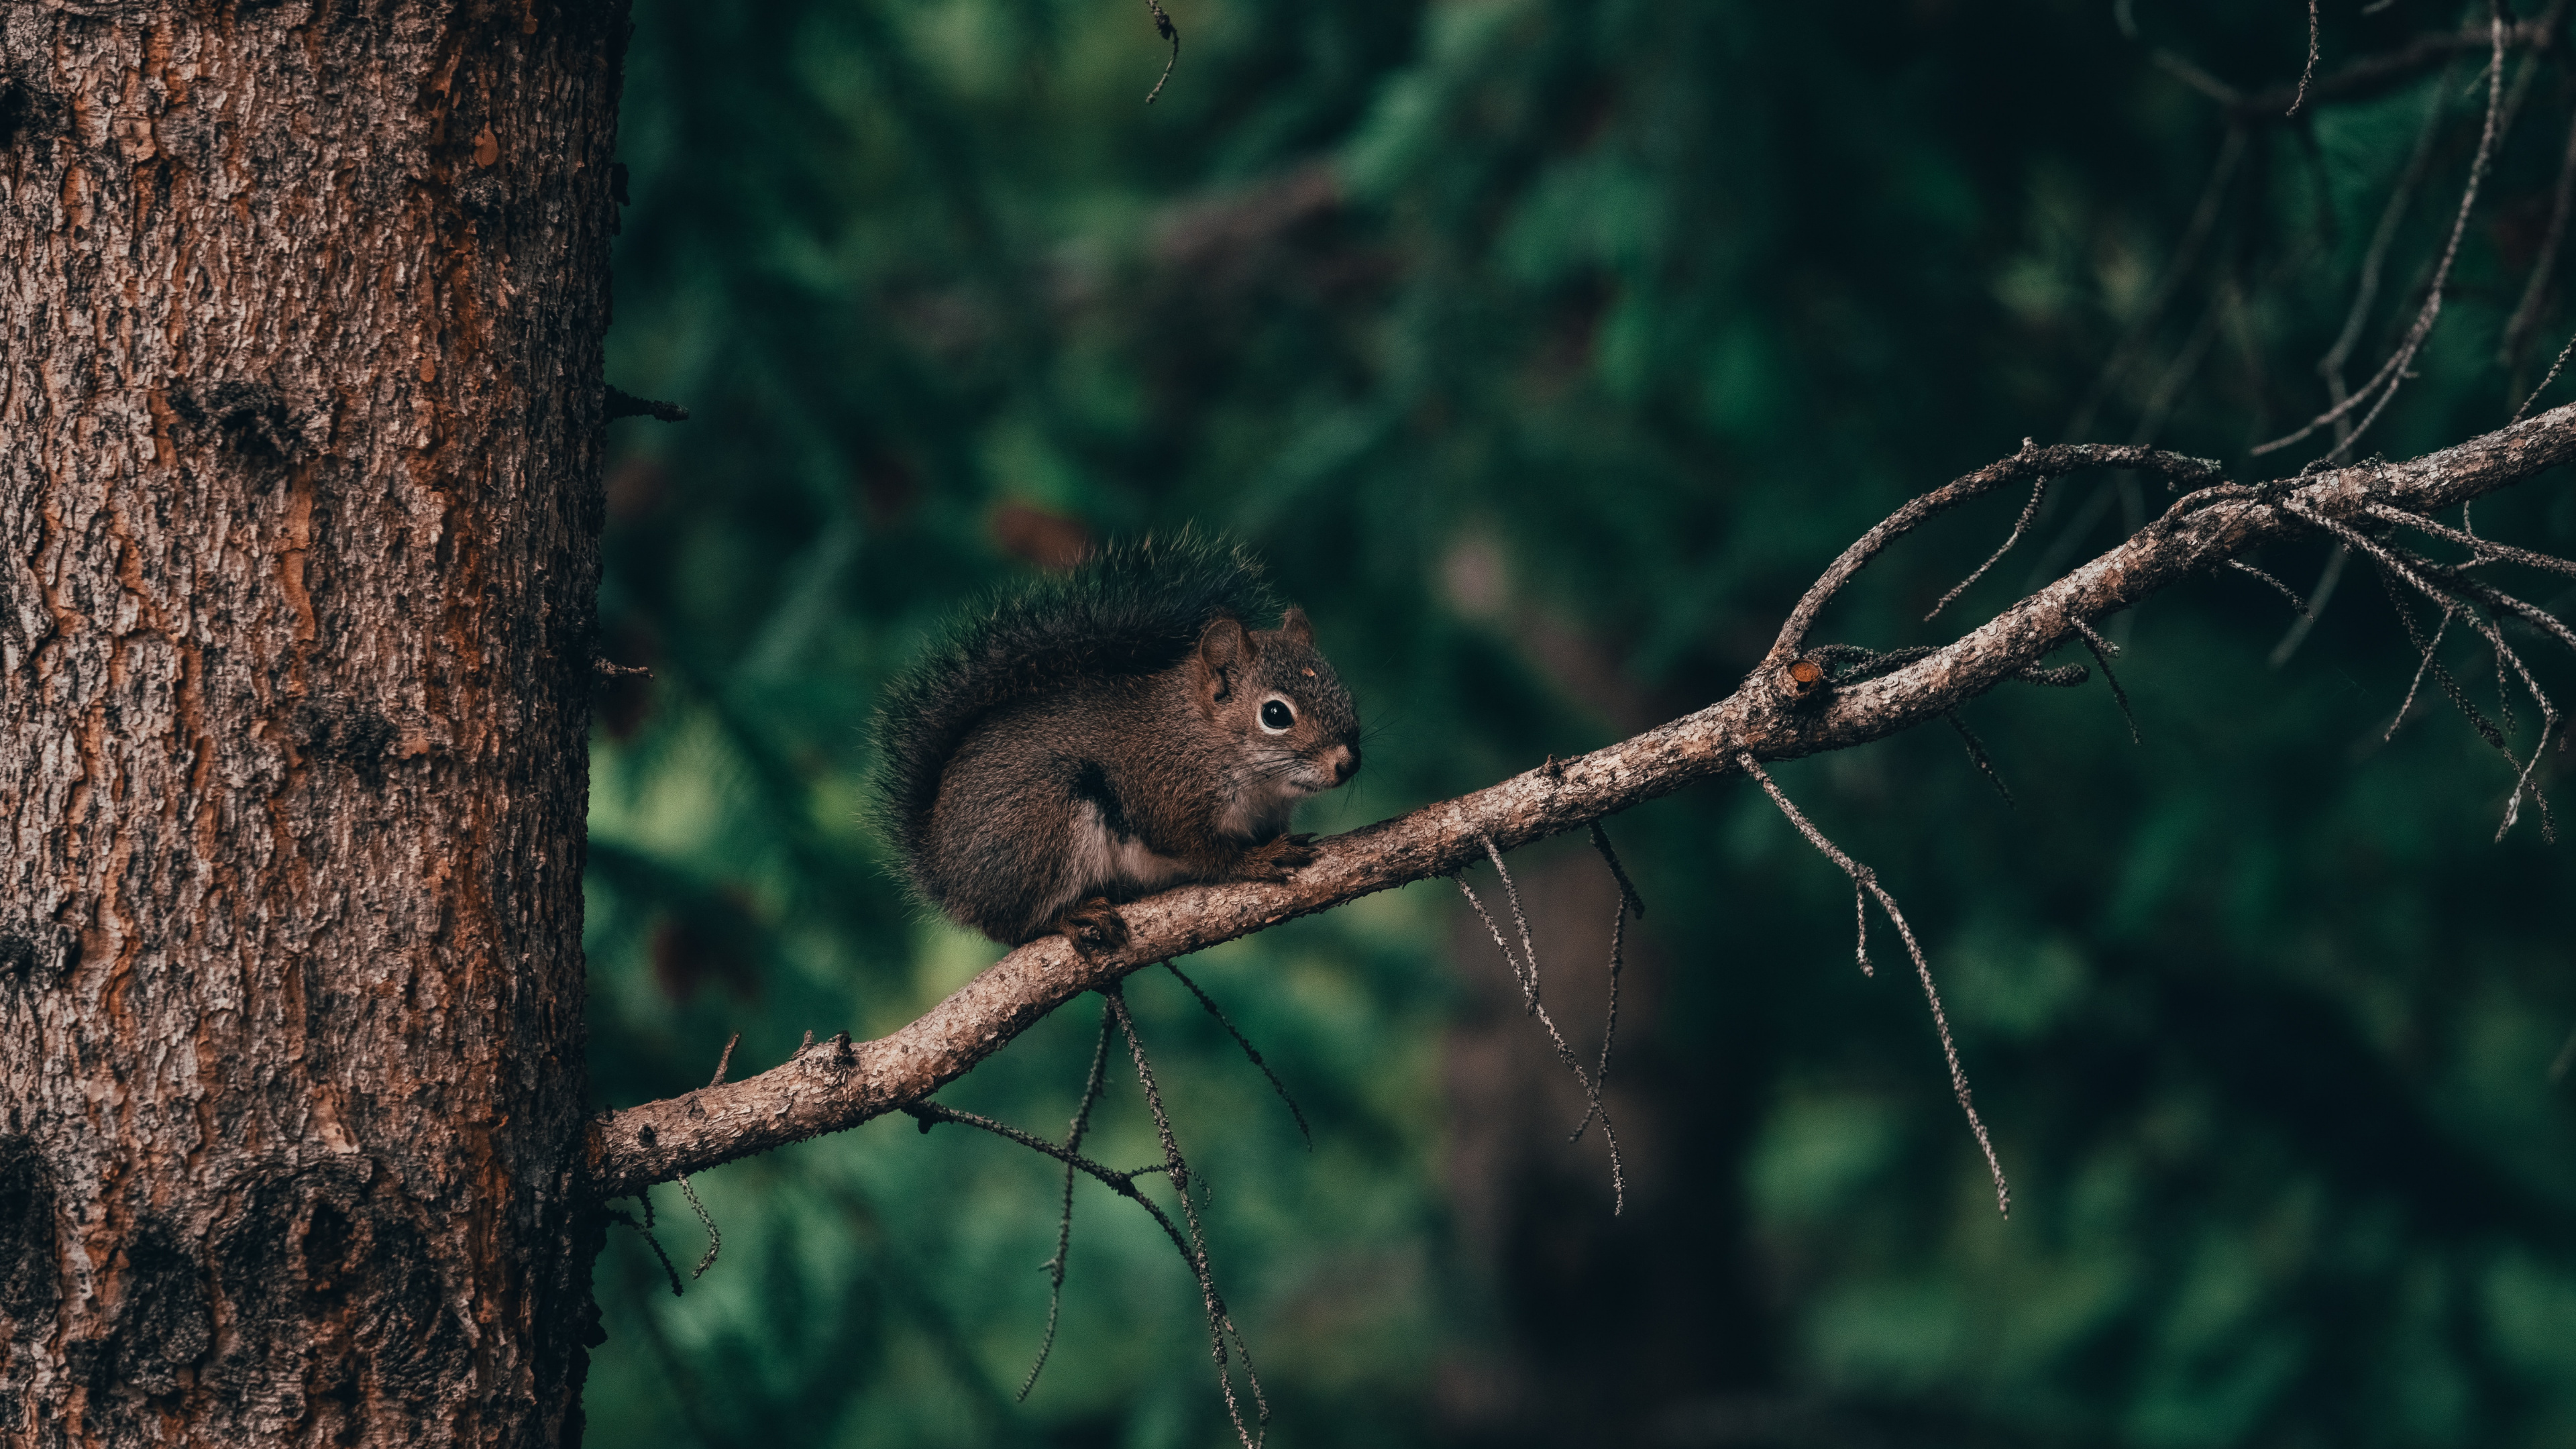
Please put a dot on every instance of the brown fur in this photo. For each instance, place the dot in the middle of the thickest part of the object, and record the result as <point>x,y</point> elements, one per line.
<point>1100,788</point>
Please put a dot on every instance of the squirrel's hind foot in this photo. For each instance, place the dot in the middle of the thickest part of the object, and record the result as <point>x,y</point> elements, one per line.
<point>1093,925</point>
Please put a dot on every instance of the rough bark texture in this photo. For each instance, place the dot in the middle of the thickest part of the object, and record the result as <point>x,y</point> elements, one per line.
<point>300,315</point>
<point>1773,716</point>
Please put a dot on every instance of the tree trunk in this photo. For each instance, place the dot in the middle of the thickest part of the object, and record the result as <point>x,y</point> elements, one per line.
<point>300,411</point>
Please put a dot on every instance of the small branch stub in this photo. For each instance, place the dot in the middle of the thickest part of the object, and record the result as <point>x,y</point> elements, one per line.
<point>1805,681</point>
<point>624,404</point>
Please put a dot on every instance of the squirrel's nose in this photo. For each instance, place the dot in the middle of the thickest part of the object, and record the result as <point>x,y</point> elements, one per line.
<point>1345,760</point>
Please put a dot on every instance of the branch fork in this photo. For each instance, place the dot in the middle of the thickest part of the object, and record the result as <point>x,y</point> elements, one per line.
<point>1861,697</point>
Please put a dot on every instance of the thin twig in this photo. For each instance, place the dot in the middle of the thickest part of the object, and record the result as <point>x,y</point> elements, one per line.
<point>644,1229</point>
<point>1618,872</point>
<point>2421,665</point>
<point>2420,575</point>
<point>2385,383</point>
<point>2032,462</point>
<point>1164,27</point>
<point>725,1060</point>
<point>2103,649</point>
<point>2487,550</point>
<point>2307,621</point>
<point>715,1240</point>
<point>1249,1051</point>
<point>1524,969</point>
<point>1092,1083</point>
<point>2021,525</point>
<point>1977,752</point>
<point>1221,1329</point>
<point>2419,165</point>
<point>2278,587</point>
<point>1629,903</point>
<point>2551,376</point>
<point>1866,879</point>
<point>2310,72</point>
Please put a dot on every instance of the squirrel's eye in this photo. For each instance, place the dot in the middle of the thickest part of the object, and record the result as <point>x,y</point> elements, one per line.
<point>1275,715</point>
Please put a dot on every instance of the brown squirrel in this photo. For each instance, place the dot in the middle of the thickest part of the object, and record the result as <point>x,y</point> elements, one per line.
<point>1101,734</point>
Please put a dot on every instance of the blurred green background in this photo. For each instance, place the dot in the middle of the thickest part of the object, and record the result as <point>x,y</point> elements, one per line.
<point>1546,348</point>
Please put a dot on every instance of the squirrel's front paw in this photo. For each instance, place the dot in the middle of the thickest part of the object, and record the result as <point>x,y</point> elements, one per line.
<point>1273,860</point>
<point>1094,925</point>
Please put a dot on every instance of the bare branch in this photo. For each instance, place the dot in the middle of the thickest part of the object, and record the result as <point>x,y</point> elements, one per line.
<point>833,1086</point>
<point>2032,462</point>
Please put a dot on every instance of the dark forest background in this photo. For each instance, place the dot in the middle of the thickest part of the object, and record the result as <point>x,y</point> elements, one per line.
<point>1546,349</point>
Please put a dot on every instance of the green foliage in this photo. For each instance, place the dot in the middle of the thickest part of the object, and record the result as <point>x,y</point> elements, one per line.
<point>1545,350</point>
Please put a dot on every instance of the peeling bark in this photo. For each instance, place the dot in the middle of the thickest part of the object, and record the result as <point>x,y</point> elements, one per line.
<point>301,305</point>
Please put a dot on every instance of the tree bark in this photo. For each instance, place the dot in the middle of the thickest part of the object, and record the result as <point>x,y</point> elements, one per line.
<point>300,412</point>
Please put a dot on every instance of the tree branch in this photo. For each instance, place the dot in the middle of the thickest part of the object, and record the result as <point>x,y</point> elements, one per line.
<point>1778,713</point>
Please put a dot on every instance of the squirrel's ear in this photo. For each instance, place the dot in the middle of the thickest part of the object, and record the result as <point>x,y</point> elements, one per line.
<point>1294,625</point>
<point>1222,649</point>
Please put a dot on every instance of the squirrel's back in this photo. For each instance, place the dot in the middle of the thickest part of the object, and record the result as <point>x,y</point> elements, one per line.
<point>1131,609</point>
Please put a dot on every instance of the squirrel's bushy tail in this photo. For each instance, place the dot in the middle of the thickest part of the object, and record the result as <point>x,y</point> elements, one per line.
<point>1132,608</point>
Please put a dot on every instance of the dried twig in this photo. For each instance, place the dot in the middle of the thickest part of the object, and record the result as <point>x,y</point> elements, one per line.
<point>2423,664</point>
<point>2032,462</point>
<point>1220,1322</point>
<point>644,1230</point>
<point>2021,525</point>
<point>1092,1083</point>
<point>2383,385</point>
<point>2310,72</point>
<point>1524,968</point>
<point>1163,27</point>
<point>1977,752</point>
<point>2327,579</point>
<point>2446,586</point>
<point>1629,903</point>
<point>715,1240</point>
<point>1863,878</point>
<point>1249,1051</point>
<point>2278,587</point>
<point>2103,649</point>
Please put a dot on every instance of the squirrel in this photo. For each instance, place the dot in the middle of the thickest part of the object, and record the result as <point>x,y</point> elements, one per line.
<point>1098,735</point>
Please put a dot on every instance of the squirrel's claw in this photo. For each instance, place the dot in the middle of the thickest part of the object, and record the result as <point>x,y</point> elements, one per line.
<point>1094,925</point>
<point>1274,859</point>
